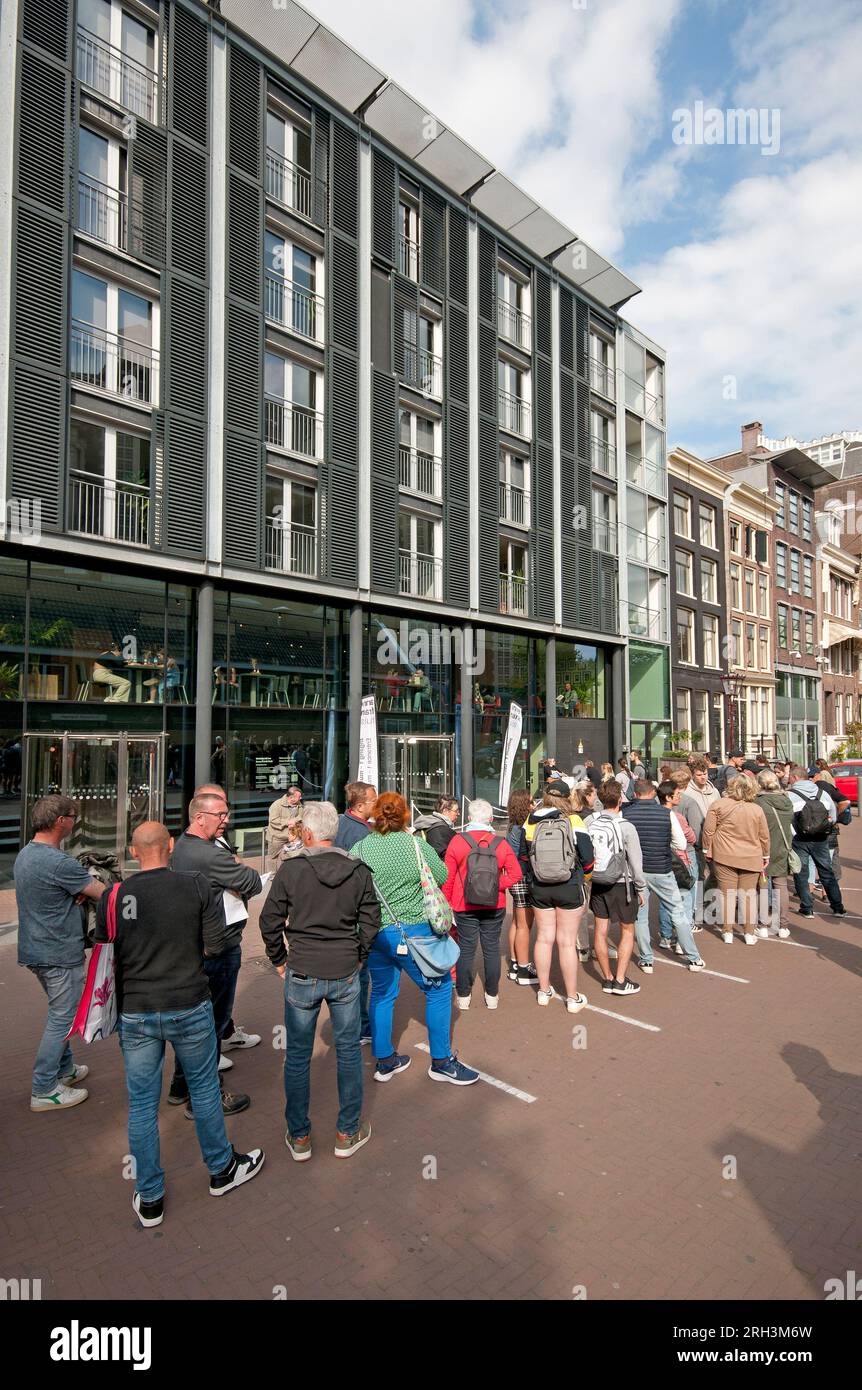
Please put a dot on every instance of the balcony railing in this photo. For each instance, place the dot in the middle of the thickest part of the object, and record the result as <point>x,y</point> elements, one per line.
<point>113,510</point>
<point>408,257</point>
<point>114,364</point>
<point>603,456</point>
<point>294,427</point>
<point>654,408</point>
<point>604,535</point>
<point>420,472</point>
<point>105,214</point>
<point>513,594</point>
<point>289,547</point>
<point>647,550</point>
<point>513,324</point>
<point>602,378</point>
<point>112,74</point>
<point>420,575</point>
<point>515,414</point>
<point>514,505</point>
<point>293,306</point>
<point>646,622</point>
<point>294,187</point>
<point>423,370</point>
<point>643,401</point>
<point>652,477</point>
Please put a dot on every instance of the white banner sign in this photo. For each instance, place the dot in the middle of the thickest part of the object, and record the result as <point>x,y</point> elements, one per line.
<point>367,768</point>
<point>510,748</point>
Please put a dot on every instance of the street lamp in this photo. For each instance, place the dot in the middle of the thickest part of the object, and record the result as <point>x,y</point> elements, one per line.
<point>732,683</point>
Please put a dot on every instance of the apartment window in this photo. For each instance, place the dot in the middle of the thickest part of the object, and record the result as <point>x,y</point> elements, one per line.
<point>749,591</point>
<point>685,635</point>
<point>513,307</point>
<point>763,636</point>
<point>700,719</point>
<point>513,577</point>
<point>514,488</point>
<point>808,576</point>
<point>604,521</point>
<point>763,595</point>
<point>735,535</point>
<point>682,515</point>
<point>601,364</point>
<point>293,283</point>
<point>683,710</point>
<point>751,646</point>
<point>109,483</point>
<point>796,629</point>
<point>807,518</point>
<point>735,587</point>
<point>423,365</point>
<point>709,581</point>
<point>848,706</point>
<point>780,565</point>
<point>684,580</point>
<point>794,571</point>
<point>736,642</point>
<point>419,464</point>
<point>710,639</point>
<point>809,634</point>
<point>291,526</point>
<point>288,162</point>
<point>112,337</point>
<point>603,454</point>
<point>116,57</point>
<point>780,497</point>
<point>420,542</point>
<point>514,388</point>
<point>793,512</point>
<point>104,209</point>
<point>707,524</point>
<point>647,603</point>
<point>292,418</point>
<point>408,237</point>
<point>782,625</point>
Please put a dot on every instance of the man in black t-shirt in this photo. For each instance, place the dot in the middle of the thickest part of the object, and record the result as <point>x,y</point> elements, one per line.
<point>166,923</point>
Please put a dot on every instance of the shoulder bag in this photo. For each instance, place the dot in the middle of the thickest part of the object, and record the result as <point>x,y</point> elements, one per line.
<point>794,863</point>
<point>97,1012</point>
<point>433,956</point>
<point>437,909</point>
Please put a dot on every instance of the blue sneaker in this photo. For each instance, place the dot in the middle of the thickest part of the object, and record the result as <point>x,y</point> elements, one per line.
<point>454,1071</point>
<point>386,1070</point>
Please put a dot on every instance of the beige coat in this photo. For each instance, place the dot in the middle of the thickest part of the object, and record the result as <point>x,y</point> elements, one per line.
<point>280,816</point>
<point>735,833</point>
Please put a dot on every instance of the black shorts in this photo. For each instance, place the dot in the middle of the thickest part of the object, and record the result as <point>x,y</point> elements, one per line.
<point>611,903</point>
<point>567,896</point>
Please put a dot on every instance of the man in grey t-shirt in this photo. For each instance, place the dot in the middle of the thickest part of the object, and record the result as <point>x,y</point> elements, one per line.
<point>49,885</point>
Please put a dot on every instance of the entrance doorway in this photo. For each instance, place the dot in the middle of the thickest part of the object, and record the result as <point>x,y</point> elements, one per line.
<point>117,781</point>
<point>420,767</point>
<point>651,738</point>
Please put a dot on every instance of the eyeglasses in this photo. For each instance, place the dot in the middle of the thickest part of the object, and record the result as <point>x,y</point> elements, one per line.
<point>220,815</point>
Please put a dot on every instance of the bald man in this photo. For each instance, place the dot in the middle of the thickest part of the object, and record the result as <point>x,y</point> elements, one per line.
<point>167,922</point>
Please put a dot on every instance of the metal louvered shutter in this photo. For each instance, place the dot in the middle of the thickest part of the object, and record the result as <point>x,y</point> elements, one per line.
<point>487,370</point>
<point>581,365</point>
<point>405,305</point>
<point>46,23</point>
<point>188,220</point>
<point>433,249</point>
<point>43,127</point>
<point>186,484</point>
<point>245,121</point>
<point>320,164</point>
<point>489,507</point>
<point>344,200</point>
<point>608,589</point>
<point>569,580</point>
<point>542,313</point>
<point>543,494</point>
<point>242,500</point>
<point>568,494</point>
<point>343,292</point>
<point>544,572</point>
<point>457,259</point>
<point>244,239</point>
<point>40,288</point>
<point>243,369</point>
<point>457,356</point>
<point>457,493</point>
<point>544,402</point>
<point>38,441</point>
<point>587,607</point>
<point>187,346</point>
<point>568,439</point>
<point>384,484</point>
<point>383,208</point>
<point>147,180</point>
<point>340,502</point>
<point>190,94</point>
<point>582,421</point>
<point>567,329</point>
<point>487,275</point>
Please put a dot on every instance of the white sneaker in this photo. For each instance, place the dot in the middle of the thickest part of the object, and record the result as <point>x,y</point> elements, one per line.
<point>75,1075</point>
<point>750,939</point>
<point>727,938</point>
<point>697,965</point>
<point>240,1038</point>
<point>224,1064</point>
<point>463,1001</point>
<point>762,933</point>
<point>784,932</point>
<point>575,1005</point>
<point>492,1000</point>
<point>584,954</point>
<point>61,1098</point>
<point>665,943</point>
<point>545,996</point>
<point>677,949</point>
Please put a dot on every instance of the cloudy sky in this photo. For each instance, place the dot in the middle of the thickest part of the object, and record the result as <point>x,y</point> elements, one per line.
<point>750,262</point>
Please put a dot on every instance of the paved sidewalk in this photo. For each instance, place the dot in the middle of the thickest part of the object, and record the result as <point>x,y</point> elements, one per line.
<point>610,1181</point>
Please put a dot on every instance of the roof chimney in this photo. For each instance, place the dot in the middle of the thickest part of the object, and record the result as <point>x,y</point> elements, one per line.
<point>750,436</point>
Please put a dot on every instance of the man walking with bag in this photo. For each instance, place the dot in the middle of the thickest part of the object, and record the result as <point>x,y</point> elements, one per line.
<point>657,832</point>
<point>481,868</point>
<point>813,822</point>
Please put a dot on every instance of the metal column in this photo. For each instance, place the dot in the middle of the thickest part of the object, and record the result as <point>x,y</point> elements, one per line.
<point>551,697</point>
<point>204,686</point>
<point>354,686</point>
<point>467,674</point>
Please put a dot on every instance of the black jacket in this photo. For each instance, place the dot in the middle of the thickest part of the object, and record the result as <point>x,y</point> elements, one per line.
<point>324,901</point>
<point>192,855</point>
<point>437,830</point>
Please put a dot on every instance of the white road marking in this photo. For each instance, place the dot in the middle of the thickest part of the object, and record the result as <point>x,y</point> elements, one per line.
<point>784,941</point>
<point>719,973</point>
<point>493,1081</point>
<point>623,1018</point>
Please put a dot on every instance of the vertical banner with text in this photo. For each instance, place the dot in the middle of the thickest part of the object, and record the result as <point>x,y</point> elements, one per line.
<point>510,748</point>
<point>366,770</point>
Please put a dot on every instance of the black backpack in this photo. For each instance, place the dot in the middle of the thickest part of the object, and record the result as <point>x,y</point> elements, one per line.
<point>812,822</point>
<point>482,875</point>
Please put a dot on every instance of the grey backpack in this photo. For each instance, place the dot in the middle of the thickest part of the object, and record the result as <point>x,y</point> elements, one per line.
<point>553,856</point>
<point>610,861</point>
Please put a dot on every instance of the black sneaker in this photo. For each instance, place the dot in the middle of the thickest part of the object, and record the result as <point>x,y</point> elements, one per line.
<point>179,1092</point>
<point>625,987</point>
<point>149,1213</point>
<point>512,972</point>
<point>608,985</point>
<point>807,912</point>
<point>839,912</point>
<point>230,1104</point>
<point>390,1066</point>
<point>243,1168</point>
<point>527,975</point>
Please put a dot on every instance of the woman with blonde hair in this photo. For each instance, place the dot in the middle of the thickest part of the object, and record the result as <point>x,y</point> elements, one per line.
<point>736,842</point>
<point>559,852</point>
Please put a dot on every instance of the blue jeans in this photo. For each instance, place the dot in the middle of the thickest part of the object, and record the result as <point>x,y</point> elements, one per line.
<point>689,900</point>
<point>64,985</point>
<point>142,1039</point>
<point>819,852</point>
<point>386,967</point>
<point>303,996</point>
<point>665,888</point>
<point>222,971</point>
<point>364,992</point>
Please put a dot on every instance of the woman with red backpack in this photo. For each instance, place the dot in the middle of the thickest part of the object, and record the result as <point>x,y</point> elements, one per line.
<point>560,854</point>
<point>481,867</point>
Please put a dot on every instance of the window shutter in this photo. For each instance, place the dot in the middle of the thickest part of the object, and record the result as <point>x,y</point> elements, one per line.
<point>245,122</point>
<point>243,468</point>
<point>488,404</point>
<point>40,288</point>
<point>542,314</point>
<point>243,369</point>
<point>457,491</point>
<point>567,329</point>
<point>244,239</point>
<point>581,365</point>
<point>188,224</point>
<point>544,576</point>
<point>587,615</point>
<point>185,449</point>
<point>384,484</point>
<point>189,70</point>
<point>568,495</point>
<point>38,441</point>
<point>46,23</point>
<point>457,364</point>
<point>543,513</point>
<point>320,163</point>
<point>567,413</point>
<point>543,487</point>
<point>406,296</point>
<point>345,179</point>
<point>608,590</point>
<point>544,402</point>
<point>433,234</point>
<point>489,506</point>
<point>457,261</point>
<point>582,421</point>
<point>383,208</point>
<point>43,156</point>
<point>187,346</point>
<point>340,502</point>
<point>343,292</point>
<point>487,275</point>
<point>147,175</point>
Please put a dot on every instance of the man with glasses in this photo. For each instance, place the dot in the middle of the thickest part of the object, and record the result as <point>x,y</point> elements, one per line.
<point>197,852</point>
<point>49,886</point>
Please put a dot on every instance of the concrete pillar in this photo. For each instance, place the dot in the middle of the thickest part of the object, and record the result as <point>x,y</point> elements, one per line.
<point>619,728</point>
<point>467,678</point>
<point>551,697</point>
<point>354,686</point>
<point>204,686</point>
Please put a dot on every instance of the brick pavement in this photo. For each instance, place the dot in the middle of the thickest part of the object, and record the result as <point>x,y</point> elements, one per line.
<point>612,1180</point>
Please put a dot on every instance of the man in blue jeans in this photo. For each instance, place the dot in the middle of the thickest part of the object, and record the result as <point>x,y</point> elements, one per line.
<point>166,924</point>
<point>353,826</point>
<point>324,902</point>
<point>49,885</point>
<point>653,824</point>
<point>813,846</point>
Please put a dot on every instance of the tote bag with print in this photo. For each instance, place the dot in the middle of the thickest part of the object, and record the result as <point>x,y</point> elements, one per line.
<point>97,1012</point>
